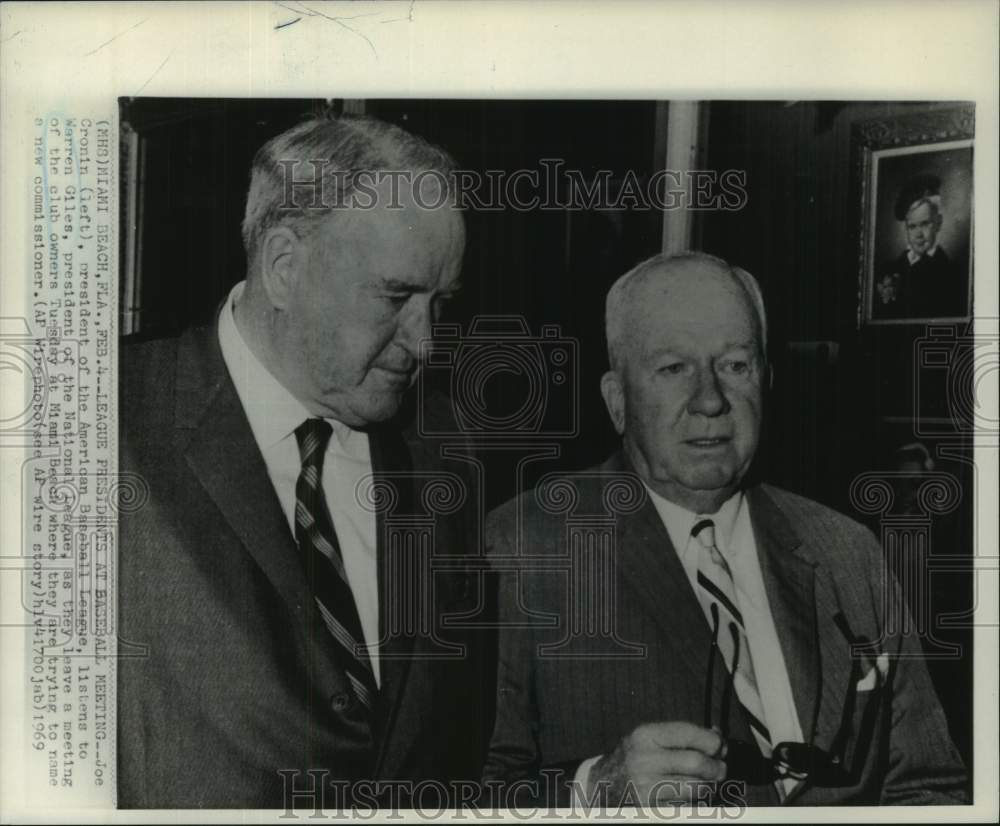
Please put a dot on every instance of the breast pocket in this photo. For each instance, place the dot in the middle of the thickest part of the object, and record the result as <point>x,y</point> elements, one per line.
<point>864,719</point>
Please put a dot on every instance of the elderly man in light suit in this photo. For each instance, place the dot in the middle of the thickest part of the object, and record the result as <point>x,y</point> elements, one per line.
<point>758,659</point>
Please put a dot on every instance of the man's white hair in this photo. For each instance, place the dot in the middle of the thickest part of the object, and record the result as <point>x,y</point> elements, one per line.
<point>320,154</point>
<point>621,293</point>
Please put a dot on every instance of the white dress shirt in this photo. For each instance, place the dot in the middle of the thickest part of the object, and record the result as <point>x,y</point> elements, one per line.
<point>274,413</point>
<point>735,541</point>
<point>913,257</point>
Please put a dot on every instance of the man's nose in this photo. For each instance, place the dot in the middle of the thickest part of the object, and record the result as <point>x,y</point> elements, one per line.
<point>707,398</point>
<point>415,328</point>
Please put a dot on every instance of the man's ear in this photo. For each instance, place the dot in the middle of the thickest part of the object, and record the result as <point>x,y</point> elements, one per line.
<point>614,399</point>
<point>278,264</point>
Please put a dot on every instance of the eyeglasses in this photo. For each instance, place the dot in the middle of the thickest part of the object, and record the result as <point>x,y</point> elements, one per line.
<point>800,761</point>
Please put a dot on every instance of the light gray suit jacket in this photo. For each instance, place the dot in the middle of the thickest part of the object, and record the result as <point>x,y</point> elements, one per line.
<point>822,572</point>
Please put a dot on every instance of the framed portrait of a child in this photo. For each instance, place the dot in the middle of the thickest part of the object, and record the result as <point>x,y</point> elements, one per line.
<point>915,176</point>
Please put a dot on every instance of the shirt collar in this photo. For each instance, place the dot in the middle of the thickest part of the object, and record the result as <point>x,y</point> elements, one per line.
<point>272,411</point>
<point>679,521</point>
<point>913,257</point>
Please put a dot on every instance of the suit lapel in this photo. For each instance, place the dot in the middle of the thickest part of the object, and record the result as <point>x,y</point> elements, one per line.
<point>221,451</point>
<point>392,466</point>
<point>651,567</point>
<point>224,457</point>
<point>789,578</point>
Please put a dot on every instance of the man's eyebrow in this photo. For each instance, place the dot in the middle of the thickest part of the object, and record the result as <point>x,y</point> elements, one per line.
<point>398,286</point>
<point>663,352</point>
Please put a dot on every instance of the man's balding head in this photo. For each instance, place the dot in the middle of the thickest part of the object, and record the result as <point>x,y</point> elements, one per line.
<point>626,293</point>
<point>306,174</point>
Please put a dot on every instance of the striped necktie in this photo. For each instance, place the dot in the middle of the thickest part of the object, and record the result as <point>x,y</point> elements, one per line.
<point>716,588</point>
<point>324,564</point>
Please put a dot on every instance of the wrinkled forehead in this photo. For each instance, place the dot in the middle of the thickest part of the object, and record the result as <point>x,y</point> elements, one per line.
<point>693,305</point>
<point>398,215</point>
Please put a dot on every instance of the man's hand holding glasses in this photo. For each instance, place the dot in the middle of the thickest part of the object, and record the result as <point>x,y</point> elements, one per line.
<point>660,763</point>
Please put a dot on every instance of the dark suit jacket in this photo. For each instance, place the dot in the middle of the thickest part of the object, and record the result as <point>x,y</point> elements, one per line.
<point>933,287</point>
<point>233,676</point>
<point>564,704</point>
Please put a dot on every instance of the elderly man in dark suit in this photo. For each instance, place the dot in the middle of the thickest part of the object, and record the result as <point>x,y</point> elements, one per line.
<point>283,635</point>
<point>671,633</point>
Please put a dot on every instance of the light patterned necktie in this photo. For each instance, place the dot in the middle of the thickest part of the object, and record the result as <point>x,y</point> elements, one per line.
<point>324,564</point>
<point>715,587</point>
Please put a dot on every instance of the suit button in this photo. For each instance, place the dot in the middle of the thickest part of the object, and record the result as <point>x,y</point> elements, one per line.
<point>340,702</point>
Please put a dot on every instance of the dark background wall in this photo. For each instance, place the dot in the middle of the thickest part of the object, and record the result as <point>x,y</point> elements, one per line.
<point>842,408</point>
<point>799,235</point>
<point>842,400</point>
